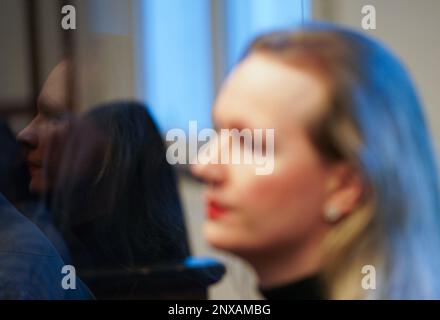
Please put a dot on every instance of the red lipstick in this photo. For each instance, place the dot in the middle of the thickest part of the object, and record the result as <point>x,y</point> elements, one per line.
<point>214,210</point>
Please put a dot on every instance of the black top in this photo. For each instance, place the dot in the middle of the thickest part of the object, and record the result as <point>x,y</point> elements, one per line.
<point>309,288</point>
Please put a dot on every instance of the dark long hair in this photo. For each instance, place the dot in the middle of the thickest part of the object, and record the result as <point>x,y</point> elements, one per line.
<point>116,199</point>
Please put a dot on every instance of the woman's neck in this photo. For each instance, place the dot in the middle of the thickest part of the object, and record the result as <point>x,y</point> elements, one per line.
<point>288,264</point>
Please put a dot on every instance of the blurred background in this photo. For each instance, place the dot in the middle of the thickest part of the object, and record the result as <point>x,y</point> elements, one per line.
<point>174,54</point>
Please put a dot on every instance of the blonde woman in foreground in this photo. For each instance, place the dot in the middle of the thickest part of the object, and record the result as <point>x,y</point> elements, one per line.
<point>354,188</point>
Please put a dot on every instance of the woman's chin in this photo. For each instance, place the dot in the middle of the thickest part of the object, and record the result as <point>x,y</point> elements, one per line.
<point>224,238</point>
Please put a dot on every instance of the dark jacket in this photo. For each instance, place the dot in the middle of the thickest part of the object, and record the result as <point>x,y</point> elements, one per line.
<point>30,267</point>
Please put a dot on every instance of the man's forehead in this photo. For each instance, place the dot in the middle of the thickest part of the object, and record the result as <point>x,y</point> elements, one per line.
<point>54,91</point>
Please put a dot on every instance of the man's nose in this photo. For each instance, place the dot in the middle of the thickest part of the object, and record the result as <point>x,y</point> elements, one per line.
<point>28,136</point>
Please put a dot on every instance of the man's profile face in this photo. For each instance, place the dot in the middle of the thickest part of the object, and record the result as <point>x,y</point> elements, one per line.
<point>49,122</point>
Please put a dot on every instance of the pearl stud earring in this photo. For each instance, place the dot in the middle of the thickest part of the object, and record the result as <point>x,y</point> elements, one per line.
<point>332,214</point>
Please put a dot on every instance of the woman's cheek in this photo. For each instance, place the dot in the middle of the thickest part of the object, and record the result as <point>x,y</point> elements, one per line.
<point>289,186</point>
<point>263,194</point>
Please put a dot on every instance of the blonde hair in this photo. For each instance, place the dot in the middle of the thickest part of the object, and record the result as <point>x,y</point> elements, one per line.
<point>375,123</point>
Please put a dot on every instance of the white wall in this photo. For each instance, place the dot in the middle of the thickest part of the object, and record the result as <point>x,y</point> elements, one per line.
<point>105,52</point>
<point>15,84</point>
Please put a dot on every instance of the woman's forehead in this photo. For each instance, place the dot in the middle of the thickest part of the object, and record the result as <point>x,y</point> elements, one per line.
<point>264,90</point>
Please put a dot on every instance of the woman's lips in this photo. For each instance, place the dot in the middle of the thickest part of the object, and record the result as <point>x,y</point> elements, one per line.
<point>215,210</point>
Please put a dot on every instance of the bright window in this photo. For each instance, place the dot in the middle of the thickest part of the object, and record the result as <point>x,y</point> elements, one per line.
<point>177,37</point>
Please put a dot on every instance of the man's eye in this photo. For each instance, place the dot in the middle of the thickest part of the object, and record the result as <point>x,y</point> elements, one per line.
<point>53,117</point>
<point>57,118</point>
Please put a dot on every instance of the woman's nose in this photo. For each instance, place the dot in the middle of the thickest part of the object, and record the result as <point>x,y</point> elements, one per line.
<point>208,166</point>
<point>213,174</point>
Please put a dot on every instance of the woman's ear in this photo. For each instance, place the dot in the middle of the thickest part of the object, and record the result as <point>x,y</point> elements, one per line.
<point>345,189</point>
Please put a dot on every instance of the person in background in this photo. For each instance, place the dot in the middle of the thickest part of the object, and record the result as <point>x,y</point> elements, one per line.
<point>355,184</point>
<point>102,214</point>
<point>52,120</point>
<point>30,266</point>
<point>115,200</point>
